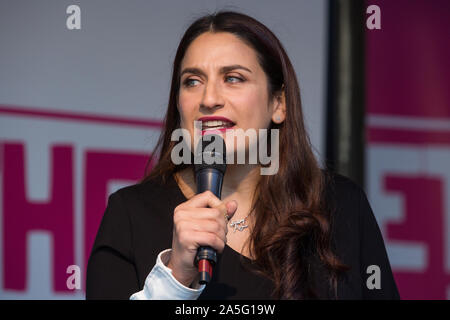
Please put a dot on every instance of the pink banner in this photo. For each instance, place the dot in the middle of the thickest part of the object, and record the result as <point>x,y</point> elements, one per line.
<point>408,155</point>
<point>55,182</point>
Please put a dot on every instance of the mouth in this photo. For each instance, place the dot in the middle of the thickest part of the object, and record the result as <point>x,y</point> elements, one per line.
<point>221,124</point>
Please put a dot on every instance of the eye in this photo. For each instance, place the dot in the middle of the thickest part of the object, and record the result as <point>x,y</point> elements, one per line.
<point>235,79</point>
<point>189,82</point>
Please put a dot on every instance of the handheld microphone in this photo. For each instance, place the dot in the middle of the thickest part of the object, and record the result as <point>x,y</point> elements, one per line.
<point>209,176</point>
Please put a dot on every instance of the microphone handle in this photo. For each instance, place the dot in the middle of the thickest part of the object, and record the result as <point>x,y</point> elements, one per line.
<point>209,179</point>
<point>206,258</point>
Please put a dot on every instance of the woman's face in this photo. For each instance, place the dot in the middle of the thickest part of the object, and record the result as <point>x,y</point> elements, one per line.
<point>221,77</point>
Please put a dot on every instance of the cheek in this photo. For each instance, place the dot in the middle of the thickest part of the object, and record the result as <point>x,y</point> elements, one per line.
<point>255,111</point>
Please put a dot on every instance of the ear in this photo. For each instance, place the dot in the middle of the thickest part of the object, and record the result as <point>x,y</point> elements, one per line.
<point>279,108</point>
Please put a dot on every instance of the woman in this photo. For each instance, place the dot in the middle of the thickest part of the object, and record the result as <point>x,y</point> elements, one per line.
<point>305,233</point>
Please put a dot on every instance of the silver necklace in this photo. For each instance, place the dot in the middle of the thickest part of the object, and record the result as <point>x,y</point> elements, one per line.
<point>239,224</point>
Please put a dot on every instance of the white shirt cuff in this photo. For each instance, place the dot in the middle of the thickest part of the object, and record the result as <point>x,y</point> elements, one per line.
<point>160,284</point>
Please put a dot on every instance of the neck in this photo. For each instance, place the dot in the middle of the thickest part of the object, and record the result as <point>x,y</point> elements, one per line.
<point>239,184</point>
<point>240,181</point>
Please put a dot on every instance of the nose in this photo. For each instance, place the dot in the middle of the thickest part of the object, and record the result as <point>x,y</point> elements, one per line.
<point>212,97</point>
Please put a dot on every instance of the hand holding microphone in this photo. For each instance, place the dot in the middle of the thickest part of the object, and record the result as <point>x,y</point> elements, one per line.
<point>200,224</point>
<point>200,221</point>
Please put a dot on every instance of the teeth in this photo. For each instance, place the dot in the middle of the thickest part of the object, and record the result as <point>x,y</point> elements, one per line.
<point>216,123</point>
<point>213,128</point>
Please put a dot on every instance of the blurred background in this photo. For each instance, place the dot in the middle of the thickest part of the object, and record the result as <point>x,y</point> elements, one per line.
<point>84,86</point>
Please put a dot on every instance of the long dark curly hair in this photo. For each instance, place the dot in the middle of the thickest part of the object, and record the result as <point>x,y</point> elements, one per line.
<point>294,198</point>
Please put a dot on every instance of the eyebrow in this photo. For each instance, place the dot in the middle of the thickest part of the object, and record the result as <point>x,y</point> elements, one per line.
<point>222,70</point>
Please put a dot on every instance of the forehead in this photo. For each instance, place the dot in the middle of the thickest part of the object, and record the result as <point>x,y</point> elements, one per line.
<point>219,49</point>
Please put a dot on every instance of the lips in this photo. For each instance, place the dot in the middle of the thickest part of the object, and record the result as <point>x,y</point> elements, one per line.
<point>216,123</point>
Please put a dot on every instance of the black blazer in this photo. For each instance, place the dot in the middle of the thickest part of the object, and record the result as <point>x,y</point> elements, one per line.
<point>137,226</point>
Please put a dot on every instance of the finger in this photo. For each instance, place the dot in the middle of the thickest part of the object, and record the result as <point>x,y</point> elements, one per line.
<point>201,219</point>
<point>217,227</point>
<point>203,200</point>
<point>231,207</point>
<point>208,239</point>
<point>199,214</point>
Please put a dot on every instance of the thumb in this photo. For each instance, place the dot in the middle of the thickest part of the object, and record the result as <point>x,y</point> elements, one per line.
<point>231,207</point>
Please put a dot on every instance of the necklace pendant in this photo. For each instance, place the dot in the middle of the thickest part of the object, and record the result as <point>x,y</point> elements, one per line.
<point>238,225</point>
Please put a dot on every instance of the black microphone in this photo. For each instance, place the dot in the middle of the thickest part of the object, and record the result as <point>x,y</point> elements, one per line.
<point>209,176</point>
